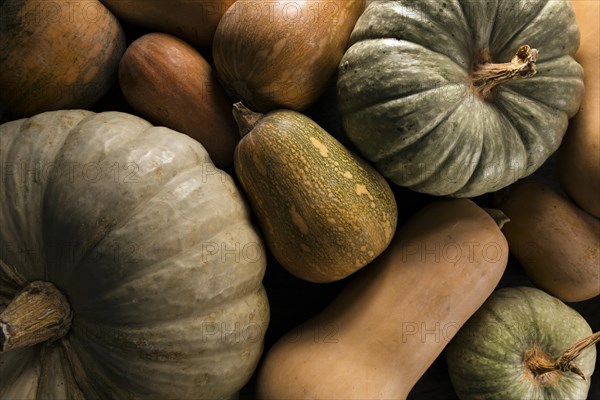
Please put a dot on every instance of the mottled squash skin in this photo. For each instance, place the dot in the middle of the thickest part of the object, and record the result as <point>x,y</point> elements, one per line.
<point>56,55</point>
<point>324,212</point>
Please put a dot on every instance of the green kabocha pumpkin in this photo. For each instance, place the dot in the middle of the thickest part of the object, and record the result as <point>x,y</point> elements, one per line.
<point>129,267</point>
<point>460,97</point>
<point>523,344</point>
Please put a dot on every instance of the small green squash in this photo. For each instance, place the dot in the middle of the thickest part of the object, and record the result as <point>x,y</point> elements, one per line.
<point>325,213</point>
<point>129,268</point>
<point>523,344</point>
<point>444,98</point>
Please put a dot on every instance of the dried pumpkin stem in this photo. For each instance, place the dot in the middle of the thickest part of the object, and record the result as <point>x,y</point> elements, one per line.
<point>245,118</point>
<point>539,363</point>
<point>487,75</point>
<point>39,313</point>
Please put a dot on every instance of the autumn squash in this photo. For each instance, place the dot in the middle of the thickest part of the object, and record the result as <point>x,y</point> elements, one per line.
<point>557,243</point>
<point>324,212</point>
<point>194,21</point>
<point>523,344</point>
<point>167,81</point>
<point>460,97</point>
<point>282,54</point>
<point>129,269</point>
<point>578,159</point>
<point>56,55</point>
<point>391,322</point>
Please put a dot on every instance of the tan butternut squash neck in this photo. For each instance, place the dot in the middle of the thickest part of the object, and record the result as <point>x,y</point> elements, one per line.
<point>39,313</point>
<point>486,75</point>
<point>545,371</point>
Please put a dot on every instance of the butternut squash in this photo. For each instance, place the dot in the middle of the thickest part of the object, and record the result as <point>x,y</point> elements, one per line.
<point>557,243</point>
<point>579,154</point>
<point>388,325</point>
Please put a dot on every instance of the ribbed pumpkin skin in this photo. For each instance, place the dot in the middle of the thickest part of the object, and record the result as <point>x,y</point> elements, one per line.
<point>324,212</point>
<point>407,104</point>
<point>485,358</point>
<point>132,223</point>
<point>56,55</point>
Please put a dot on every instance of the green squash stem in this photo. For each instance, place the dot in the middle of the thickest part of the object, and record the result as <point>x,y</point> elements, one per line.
<point>544,369</point>
<point>245,118</point>
<point>486,75</point>
<point>39,313</point>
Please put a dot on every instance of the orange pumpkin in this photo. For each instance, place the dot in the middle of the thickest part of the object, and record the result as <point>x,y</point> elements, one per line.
<point>56,55</point>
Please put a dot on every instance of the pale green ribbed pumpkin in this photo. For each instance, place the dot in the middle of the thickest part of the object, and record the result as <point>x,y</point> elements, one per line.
<point>416,98</point>
<point>150,245</point>
<point>508,348</point>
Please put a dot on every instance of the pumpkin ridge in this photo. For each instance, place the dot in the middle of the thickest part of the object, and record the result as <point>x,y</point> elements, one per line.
<point>214,301</point>
<point>479,167</point>
<point>457,42</point>
<point>98,332</point>
<point>47,374</point>
<point>44,197</point>
<point>519,94</point>
<point>533,314</point>
<point>419,14</point>
<point>99,346</point>
<point>519,126</point>
<point>470,27</point>
<point>25,124</point>
<point>394,150</point>
<point>12,223</point>
<point>427,131</point>
<point>26,359</point>
<point>132,213</point>
<point>498,49</point>
<point>406,95</point>
<point>498,318</point>
<point>11,277</point>
<point>156,268</point>
<point>476,351</point>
